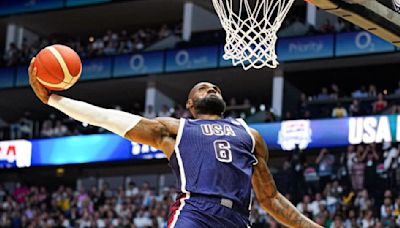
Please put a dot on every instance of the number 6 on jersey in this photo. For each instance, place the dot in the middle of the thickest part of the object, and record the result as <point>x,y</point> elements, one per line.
<point>222,151</point>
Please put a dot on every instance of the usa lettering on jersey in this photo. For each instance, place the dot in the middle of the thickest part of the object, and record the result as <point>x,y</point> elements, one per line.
<point>217,129</point>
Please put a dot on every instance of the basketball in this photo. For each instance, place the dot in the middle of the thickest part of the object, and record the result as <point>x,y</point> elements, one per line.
<point>58,67</point>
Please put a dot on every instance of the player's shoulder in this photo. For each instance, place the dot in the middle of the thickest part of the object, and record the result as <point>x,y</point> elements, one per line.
<point>261,149</point>
<point>257,136</point>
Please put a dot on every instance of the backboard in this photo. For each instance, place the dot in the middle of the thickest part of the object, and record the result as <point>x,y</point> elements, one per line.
<point>380,17</point>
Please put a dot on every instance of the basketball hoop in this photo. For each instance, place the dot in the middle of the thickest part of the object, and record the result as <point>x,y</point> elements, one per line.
<point>251,30</point>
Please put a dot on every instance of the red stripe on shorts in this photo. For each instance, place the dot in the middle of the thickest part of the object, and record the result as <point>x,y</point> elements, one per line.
<point>174,207</point>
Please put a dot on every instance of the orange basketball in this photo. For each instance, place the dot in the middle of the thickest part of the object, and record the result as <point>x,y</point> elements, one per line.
<point>58,67</point>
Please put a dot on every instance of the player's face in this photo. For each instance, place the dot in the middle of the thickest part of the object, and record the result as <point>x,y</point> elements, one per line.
<point>206,98</point>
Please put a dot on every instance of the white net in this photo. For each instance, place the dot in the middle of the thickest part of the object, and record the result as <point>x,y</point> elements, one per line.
<point>251,30</point>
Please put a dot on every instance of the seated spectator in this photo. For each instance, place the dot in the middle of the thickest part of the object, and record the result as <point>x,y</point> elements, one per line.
<point>387,204</point>
<point>395,109</point>
<point>23,128</point>
<point>288,116</point>
<point>296,28</point>
<point>164,32</point>
<point>302,105</point>
<point>97,47</point>
<point>389,219</point>
<point>327,27</point>
<point>316,204</point>
<point>362,200</point>
<point>339,25</point>
<point>335,94</point>
<point>397,91</point>
<point>12,55</point>
<point>164,112</point>
<point>372,90</point>
<point>47,129</point>
<point>339,111</point>
<point>337,222</point>
<point>306,115</point>
<point>368,220</point>
<point>362,92</point>
<point>351,220</point>
<point>60,129</point>
<point>269,117</point>
<point>324,94</point>
<point>355,109</point>
<point>304,206</point>
<point>380,104</point>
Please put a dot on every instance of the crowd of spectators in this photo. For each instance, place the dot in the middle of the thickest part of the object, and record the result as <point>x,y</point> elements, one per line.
<point>111,43</point>
<point>355,187</point>
<point>294,26</point>
<point>329,103</point>
<point>334,103</point>
<point>129,206</point>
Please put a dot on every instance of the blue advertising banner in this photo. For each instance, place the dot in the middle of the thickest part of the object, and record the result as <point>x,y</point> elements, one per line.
<point>357,43</point>
<point>192,59</point>
<point>138,64</point>
<point>279,136</point>
<point>330,132</point>
<point>79,149</point>
<point>98,68</point>
<point>7,77</point>
<point>84,2</point>
<point>310,47</point>
<point>21,6</point>
<point>22,76</point>
<point>72,150</point>
<point>86,149</point>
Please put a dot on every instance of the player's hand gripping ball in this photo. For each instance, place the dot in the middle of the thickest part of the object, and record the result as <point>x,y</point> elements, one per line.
<point>58,67</point>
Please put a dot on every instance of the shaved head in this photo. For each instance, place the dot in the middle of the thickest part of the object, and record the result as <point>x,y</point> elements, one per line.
<point>205,98</point>
<point>197,86</point>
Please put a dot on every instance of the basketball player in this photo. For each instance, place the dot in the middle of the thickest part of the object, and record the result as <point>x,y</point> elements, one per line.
<point>216,160</point>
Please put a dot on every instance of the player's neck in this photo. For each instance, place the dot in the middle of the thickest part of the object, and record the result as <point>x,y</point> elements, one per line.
<point>208,117</point>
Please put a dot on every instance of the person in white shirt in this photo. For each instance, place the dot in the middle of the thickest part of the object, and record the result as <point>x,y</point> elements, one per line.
<point>132,190</point>
<point>305,206</point>
<point>315,208</point>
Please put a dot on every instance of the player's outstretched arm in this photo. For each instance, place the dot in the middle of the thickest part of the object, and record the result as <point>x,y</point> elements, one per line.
<point>268,196</point>
<point>154,132</point>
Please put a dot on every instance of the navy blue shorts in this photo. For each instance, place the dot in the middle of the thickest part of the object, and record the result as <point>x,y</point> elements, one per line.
<point>201,212</point>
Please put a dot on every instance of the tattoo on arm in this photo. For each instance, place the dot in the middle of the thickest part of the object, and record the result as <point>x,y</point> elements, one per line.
<point>281,208</point>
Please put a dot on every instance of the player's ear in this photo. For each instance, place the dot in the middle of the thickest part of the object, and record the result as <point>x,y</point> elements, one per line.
<point>189,104</point>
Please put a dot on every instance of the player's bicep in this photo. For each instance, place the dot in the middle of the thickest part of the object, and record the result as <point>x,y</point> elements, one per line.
<point>148,131</point>
<point>262,179</point>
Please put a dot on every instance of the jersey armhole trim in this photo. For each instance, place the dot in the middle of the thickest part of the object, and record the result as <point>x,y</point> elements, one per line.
<point>182,174</point>
<point>246,127</point>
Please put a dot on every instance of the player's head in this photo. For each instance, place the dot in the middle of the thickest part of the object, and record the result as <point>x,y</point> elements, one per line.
<point>205,98</point>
